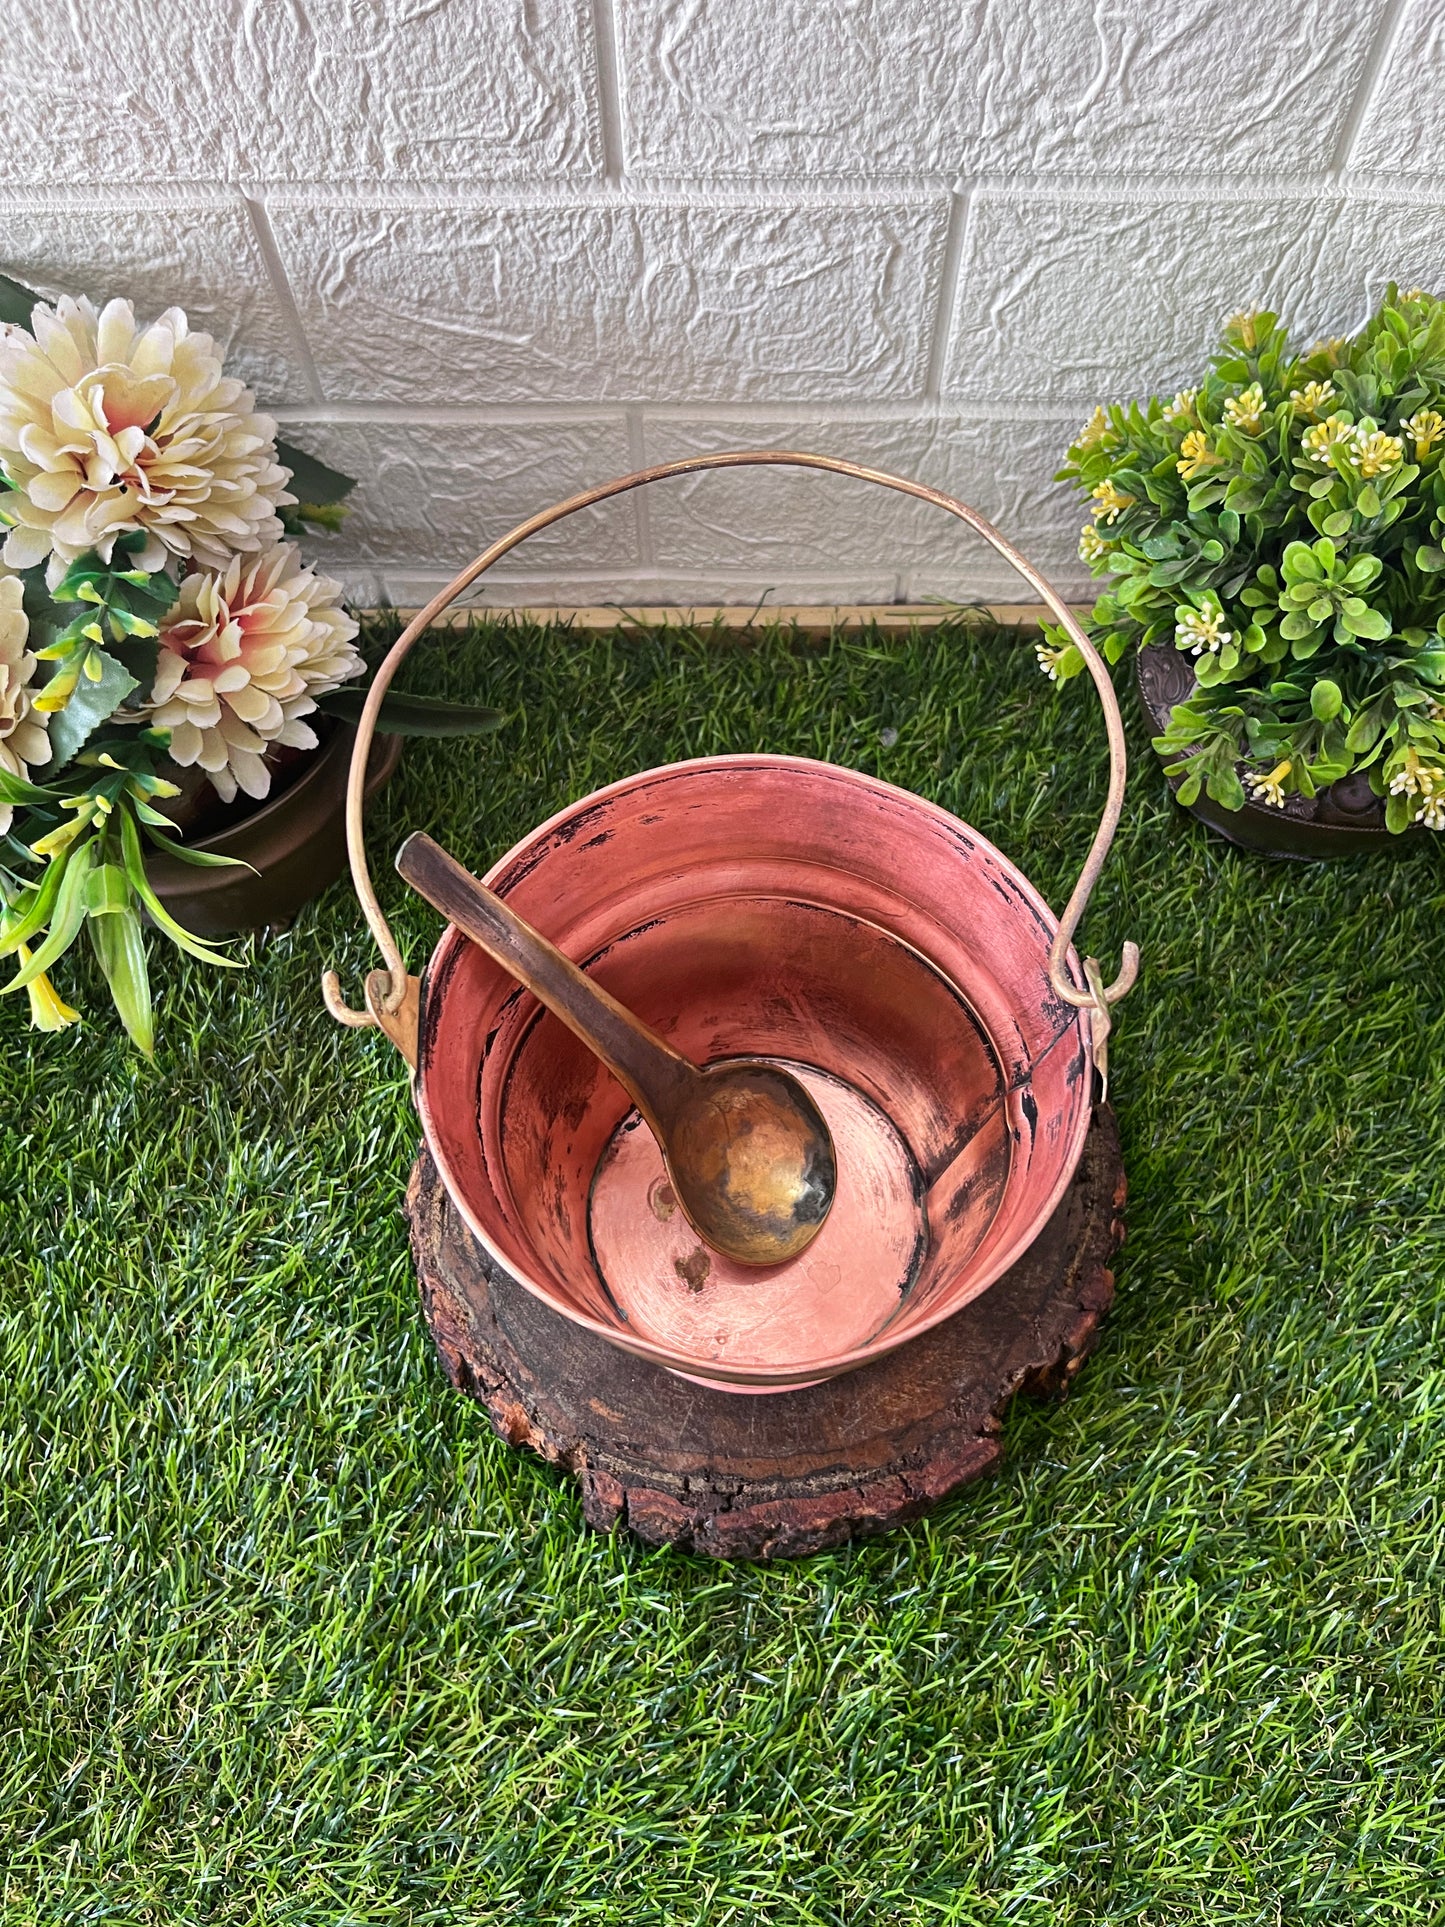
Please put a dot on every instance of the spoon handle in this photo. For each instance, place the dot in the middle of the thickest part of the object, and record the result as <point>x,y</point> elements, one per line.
<point>651,1072</point>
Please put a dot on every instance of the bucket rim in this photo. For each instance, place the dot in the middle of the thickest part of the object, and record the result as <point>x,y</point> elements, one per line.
<point>804,1371</point>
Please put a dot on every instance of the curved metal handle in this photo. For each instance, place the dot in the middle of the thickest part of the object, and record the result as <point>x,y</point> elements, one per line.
<point>1092,995</point>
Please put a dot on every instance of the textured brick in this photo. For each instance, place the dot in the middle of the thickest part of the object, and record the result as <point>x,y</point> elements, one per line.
<point>1050,86</point>
<point>176,90</point>
<point>1078,281</point>
<point>200,258</point>
<point>433,497</point>
<point>1071,300</point>
<point>1403,131</point>
<point>786,521</point>
<point>615,302</point>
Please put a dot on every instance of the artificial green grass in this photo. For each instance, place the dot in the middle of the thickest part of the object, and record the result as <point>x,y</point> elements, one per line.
<point>289,1636</point>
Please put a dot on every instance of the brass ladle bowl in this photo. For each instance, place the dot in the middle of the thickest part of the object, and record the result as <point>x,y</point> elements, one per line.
<point>749,1155</point>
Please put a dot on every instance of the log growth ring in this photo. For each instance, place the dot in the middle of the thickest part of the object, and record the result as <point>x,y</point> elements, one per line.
<point>739,1476</point>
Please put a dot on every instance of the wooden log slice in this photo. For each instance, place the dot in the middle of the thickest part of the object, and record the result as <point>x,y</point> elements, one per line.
<point>776,1475</point>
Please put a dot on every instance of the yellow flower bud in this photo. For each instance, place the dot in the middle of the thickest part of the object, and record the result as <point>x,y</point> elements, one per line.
<point>1195,455</point>
<point>48,1010</point>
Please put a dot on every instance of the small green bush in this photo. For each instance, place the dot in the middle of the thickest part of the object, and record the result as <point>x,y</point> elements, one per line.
<point>1284,524</point>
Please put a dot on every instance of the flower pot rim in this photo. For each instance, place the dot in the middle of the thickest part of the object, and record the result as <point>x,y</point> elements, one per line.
<point>296,841</point>
<point>336,744</point>
<point>1283,832</point>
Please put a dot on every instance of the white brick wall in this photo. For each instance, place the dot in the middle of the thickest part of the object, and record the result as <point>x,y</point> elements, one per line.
<point>482,253</point>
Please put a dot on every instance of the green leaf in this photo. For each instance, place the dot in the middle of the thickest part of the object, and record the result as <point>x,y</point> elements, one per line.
<point>1326,700</point>
<point>135,869</point>
<point>88,708</point>
<point>15,791</point>
<point>16,302</point>
<point>120,946</point>
<point>1359,619</point>
<point>1225,787</point>
<point>312,515</point>
<point>107,890</point>
<point>1368,501</point>
<point>65,924</point>
<point>413,715</point>
<point>202,859</point>
<point>1113,648</point>
<point>42,903</point>
<point>311,480</point>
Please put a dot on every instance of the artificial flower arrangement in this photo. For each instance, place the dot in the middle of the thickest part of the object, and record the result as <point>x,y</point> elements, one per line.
<point>1284,525</point>
<point>155,616</point>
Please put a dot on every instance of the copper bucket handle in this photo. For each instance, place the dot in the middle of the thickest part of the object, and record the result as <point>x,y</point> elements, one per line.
<point>391,995</point>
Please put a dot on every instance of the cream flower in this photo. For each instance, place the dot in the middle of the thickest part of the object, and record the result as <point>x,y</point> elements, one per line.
<point>1110,502</point>
<point>1431,813</point>
<point>106,427</point>
<point>1376,453</point>
<point>23,741</point>
<point>1318,441</point>
<point>1091,544</point>
<point>1246,409</point>
<point>1269,787</point>
<point>1200,631</point>
<point>1314,398</point>
<point>1425,428</point>
<point>1181,409</point>
<point>1095,430</point>
<point>1195,455</point>
<point>243,657</point>
<point>1414,778</point>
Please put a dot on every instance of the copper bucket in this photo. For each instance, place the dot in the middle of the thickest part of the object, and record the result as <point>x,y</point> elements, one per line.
<point>761,906</point>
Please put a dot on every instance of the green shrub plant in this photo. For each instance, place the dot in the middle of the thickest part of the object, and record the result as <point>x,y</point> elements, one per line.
<point>1283,524</point>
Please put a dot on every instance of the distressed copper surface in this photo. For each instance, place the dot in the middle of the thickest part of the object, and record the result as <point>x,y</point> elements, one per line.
<point>766,906</point>
<point>748,1153</point>
<point>836,1295</point>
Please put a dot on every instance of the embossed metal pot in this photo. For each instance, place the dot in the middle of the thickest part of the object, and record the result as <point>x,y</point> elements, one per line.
<point>1343,820</point>
<point>763,906</point>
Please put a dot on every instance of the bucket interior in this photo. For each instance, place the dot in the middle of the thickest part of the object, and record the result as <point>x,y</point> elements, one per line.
<point>760,906</point>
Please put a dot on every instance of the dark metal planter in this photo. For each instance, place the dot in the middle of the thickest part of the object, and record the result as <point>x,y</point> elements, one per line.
<point>296,841</point>
<point>1342,820</point>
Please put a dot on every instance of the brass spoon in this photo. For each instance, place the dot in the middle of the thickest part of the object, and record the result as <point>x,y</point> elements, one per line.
<point>747,1150</point>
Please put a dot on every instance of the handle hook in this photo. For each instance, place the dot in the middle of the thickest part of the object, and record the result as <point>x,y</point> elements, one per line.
<point>1093,995</point>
